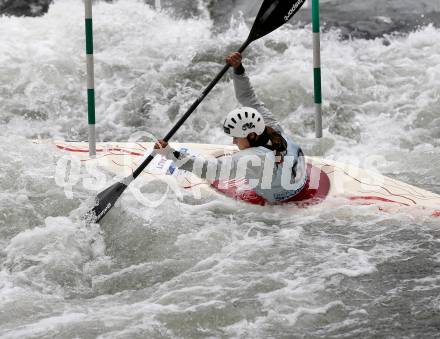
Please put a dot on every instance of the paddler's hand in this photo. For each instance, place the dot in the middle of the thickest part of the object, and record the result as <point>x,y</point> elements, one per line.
<point>161,147</point>
<point>160,144</point>
<point>234,60</point>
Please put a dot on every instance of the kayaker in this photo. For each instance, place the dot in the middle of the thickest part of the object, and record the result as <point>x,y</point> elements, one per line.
<point>271,162</point>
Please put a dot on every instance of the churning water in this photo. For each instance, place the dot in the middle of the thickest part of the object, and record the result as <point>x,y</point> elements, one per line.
<point>214,269</point>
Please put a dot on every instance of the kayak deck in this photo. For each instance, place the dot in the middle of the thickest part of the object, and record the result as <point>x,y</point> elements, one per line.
<point>327,178</point>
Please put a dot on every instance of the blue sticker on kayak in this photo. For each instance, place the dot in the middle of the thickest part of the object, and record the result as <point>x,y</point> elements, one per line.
<point>171,169</point>
<point>183,150</point>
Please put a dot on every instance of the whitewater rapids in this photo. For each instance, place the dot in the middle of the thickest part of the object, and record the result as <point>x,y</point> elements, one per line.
<point>213,269</point>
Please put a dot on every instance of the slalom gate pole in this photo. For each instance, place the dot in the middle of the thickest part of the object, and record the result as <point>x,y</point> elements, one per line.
<point>317,67</point>
<point>90,78</point>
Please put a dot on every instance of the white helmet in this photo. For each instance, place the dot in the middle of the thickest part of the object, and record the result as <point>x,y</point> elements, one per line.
<point>242,121</point>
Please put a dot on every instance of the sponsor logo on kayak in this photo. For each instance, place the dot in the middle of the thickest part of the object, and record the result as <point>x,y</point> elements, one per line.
<point>292,11</point>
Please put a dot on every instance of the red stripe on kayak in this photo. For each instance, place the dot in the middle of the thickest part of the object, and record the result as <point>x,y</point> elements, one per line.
<point>378,199</point>
<point>115,149</point>
<point>385,189</point>
<point>125,151</point>
<point>382,187</point>
<point>75,149</point>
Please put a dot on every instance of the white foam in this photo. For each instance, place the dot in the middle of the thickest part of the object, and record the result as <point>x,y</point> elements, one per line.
<point>216,258</point>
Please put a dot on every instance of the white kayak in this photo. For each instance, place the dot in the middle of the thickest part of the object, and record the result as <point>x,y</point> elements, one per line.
<point>327,178</point>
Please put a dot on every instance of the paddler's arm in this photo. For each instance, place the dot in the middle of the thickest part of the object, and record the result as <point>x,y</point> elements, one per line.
<point>245,93</point>
<point>211,169</point>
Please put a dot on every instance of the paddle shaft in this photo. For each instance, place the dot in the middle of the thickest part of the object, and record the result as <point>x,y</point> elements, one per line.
<point>193,107</point>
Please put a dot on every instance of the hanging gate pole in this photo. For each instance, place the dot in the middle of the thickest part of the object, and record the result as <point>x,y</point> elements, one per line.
<point>317,67</point>
<point>90,78</point>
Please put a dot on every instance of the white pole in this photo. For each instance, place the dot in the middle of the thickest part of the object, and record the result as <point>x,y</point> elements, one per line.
<point>158,5</point>
<point>90,78</point>
<point>317,67</point>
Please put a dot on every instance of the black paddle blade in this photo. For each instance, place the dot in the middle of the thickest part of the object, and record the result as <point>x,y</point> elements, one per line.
<point>105,201</point>
<point>273,14</point>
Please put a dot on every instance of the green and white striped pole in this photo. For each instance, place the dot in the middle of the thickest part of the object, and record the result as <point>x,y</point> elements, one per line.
<point>90,78</point>
<point>317,67</point>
